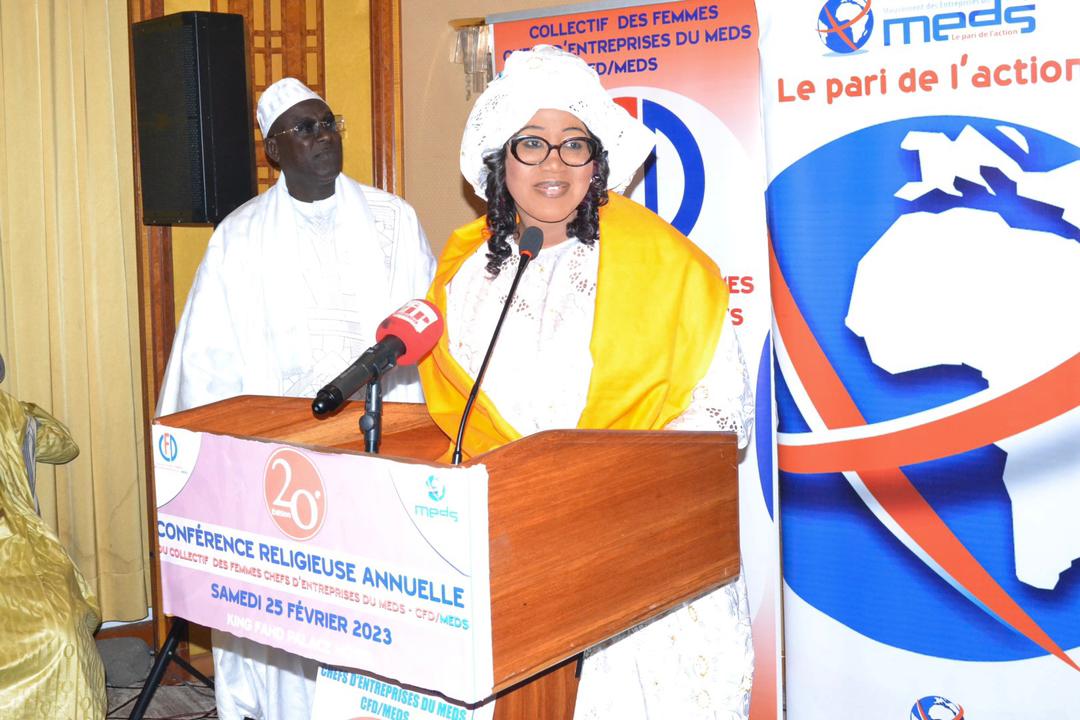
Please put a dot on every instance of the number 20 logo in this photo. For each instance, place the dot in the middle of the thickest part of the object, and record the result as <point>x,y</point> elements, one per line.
<point>295,496</point>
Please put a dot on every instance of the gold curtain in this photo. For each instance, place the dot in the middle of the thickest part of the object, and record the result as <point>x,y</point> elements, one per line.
<point>68,286</point>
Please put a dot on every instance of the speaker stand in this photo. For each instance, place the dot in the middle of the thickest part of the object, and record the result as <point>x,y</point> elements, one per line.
<point>167,653</point>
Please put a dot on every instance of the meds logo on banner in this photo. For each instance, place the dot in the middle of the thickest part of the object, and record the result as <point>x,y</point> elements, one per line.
<point>936,707</point>
<point>440,505</point>
<point>436,488</point>
<point>295,494</point>
<point>928,385</point>
<point>168,447</point>
<point>436,493</point>
<point>845,25</point>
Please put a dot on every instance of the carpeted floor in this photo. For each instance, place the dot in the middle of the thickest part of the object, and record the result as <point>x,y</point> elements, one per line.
<point>127,663</point>
<point>171,702</point>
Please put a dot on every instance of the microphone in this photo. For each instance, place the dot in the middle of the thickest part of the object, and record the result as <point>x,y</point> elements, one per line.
<point>528,247</point>
<point>407,335</point>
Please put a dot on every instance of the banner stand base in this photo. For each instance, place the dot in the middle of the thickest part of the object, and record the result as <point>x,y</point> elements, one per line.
<point>177,631</point>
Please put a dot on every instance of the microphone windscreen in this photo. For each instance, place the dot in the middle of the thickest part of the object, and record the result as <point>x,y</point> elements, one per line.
<point>418,325</point>
<point>531,242</point>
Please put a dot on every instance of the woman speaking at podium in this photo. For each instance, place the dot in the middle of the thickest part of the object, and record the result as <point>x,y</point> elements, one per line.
<point>619,322</point>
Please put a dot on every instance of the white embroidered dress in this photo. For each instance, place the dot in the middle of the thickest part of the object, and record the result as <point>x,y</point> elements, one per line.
<point>696,661</point>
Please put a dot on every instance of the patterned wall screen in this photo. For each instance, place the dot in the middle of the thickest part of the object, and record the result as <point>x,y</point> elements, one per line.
<point>285,39</point>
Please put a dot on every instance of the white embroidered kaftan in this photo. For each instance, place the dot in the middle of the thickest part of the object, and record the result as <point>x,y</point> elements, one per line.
<point>696,661</point>
<point>289,294</point>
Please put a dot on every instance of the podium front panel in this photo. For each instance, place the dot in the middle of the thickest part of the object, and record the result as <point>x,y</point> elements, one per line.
<point>350,559</point>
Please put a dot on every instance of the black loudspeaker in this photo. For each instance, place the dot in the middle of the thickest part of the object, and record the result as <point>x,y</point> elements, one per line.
<point>193,105</point>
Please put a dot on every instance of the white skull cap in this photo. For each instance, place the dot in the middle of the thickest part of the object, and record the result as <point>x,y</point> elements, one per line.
<point>547,77</point>
<point>279,97</point>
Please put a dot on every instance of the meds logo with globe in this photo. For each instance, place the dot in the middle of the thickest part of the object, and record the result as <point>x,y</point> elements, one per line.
<point>926,284</point>
<point>845,25</point>
<point>436,488</point>
<point>936,708</point>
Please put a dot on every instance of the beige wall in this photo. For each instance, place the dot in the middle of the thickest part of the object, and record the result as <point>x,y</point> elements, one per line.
<point>348,90</point>
<point>347,34</point>
<point>435,109</point>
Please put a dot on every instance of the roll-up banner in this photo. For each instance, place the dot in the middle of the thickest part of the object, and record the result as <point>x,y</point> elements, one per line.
<point>924,217</point>
<point>689,72</point>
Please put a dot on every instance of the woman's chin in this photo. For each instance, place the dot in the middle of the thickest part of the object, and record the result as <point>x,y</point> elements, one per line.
<point>558,216</point>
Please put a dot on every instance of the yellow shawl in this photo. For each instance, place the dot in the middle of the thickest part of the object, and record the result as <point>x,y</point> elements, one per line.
<point>660,304</point>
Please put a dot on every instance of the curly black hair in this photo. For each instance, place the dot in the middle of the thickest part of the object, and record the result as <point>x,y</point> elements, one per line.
<point>502,212</point>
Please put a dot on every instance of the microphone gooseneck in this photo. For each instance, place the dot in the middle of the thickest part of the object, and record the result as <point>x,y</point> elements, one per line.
<point>528,247</point>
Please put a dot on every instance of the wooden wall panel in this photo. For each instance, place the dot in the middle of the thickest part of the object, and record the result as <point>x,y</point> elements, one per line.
<point>285,39</point>
<point>386,103</point>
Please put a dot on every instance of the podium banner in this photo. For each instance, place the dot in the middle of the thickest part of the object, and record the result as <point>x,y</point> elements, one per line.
<point>352,560</point>
<point>924,212</point>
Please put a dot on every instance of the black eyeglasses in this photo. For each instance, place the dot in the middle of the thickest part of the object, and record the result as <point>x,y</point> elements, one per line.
<point>533,150</point>
<point>310,128</point>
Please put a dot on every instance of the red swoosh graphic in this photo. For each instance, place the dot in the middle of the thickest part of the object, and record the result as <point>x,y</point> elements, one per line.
<point>890,486</point>
<point>837,28</point>
<point>922,713</point>
<point>1045,398</point>
<point>849,23</point>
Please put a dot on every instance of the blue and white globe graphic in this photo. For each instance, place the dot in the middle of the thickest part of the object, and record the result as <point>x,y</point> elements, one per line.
<point>935,708</point>
<point>827,211</point>
<point>436,488</point>
<point>845,25</point>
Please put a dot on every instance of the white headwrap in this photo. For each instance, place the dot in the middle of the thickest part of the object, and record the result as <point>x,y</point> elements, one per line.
<point>279,97</point>
<point>547,77</point>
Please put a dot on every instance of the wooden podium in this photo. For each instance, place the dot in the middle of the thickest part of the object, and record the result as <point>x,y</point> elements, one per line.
<point>591,531</point>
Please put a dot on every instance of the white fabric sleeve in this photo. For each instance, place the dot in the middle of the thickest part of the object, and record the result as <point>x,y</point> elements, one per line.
<point>724,399</point>
<point>413,270</point>
<point>424,272</point>
<point>205,364</point>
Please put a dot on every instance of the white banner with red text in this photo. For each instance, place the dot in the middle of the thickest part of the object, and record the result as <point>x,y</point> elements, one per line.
<point>924,217</point>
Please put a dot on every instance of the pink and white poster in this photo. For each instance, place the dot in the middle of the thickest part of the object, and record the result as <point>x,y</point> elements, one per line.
<point>353,560</point>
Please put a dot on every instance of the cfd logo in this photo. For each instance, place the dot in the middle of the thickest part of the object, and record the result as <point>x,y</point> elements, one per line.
<point>168,447</point>
<point>295,496</point>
